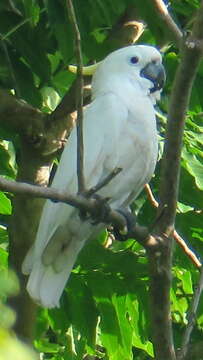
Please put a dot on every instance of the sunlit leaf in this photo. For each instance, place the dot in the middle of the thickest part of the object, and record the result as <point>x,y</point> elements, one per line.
<point>5,204</point>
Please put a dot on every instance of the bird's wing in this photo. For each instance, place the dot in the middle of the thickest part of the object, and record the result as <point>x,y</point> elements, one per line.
<point>61,234</point>
<point>102,132</point>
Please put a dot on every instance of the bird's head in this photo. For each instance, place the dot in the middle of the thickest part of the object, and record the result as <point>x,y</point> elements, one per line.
<point>140,64</point>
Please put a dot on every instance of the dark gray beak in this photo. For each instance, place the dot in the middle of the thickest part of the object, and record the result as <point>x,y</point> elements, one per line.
<point>156,74</point>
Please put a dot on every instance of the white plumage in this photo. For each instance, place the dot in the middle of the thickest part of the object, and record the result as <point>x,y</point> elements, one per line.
<point>119,131</point>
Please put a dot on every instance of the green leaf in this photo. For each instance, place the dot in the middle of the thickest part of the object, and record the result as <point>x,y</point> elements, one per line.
<point>197,233</point>
<point>178,311</point>
<point>7,317</point>
<point>194,166</point>
<point>26,84</point>
<point>62,81</point>
<point>187,282</point>
<point>46,346</point>
<point>32,11</point>
<point>3,235</point>
<point>29,43</point>
<point>187,222</point>
<point>5,204</point>
<point>58,318</point>
<point>9,284</point>
<point>185,277</point>
<point>34,56</point>
<point>138,319</point>
<point>184,208</point>
<point>50,98</point>
<point>110,329</point>
<point>3,261</point>
<point>119,302</point>
<point>189,193</point>
<point>81,310</point>
<point>95,257</point>
<point>7,156</point>
<point>12,348</point>
<point>61,28</point>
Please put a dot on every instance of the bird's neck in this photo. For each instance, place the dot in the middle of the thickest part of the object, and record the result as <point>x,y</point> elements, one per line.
<point>120,85</point>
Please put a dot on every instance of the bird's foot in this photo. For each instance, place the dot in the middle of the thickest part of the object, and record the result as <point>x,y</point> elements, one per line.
<point>84,215</point>
<point>123,235</point>
<point>102,210</point>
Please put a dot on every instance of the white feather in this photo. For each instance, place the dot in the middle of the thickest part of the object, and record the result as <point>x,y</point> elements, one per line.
<point>119,131</point>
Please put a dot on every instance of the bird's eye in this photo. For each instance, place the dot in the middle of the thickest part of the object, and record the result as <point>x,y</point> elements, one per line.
<point>134,60</point>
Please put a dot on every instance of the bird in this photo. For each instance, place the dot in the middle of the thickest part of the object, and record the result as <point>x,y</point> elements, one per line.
<point>119,131</point>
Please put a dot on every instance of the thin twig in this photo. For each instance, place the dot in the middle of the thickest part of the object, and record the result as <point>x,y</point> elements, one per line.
<point>187,250</point>
<point>191,318</point>
<point>103,182</point>
<point>162,11</point>
<point>80,144</point>
<point>77,201</point>
<point>150,196</point>
<point>176,236</point>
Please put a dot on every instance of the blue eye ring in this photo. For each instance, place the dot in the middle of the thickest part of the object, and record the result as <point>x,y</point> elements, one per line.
<point>134,60</point>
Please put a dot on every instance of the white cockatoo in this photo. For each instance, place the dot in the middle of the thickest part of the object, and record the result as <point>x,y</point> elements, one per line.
<point>119,132</point>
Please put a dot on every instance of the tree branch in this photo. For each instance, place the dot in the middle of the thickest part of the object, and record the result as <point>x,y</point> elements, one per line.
<point>187,250</point>
<point>82,203</point>
<point>163,13</point>
<point>103,182</point>
<point>79,99</point>
<point>176,236</point>
<point>160,260</point>
<point>41,135</point>
<point>14,114</point>
<point>180,96</point>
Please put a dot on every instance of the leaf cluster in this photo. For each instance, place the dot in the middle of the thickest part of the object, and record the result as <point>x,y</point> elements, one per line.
<point>105,310</point>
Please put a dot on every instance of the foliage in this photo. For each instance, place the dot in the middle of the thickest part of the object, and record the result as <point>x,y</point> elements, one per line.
<point>104,310</point>
<point>10,347</point>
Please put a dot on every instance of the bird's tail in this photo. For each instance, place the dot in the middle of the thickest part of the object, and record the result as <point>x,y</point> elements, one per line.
<point>49,274</point>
